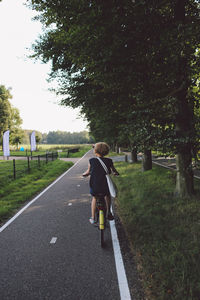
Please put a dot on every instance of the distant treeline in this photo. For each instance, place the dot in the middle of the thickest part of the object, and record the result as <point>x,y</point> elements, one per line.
<point>59,137</point>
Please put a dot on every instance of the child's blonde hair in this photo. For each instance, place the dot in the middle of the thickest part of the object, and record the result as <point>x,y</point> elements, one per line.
<point>101,148</point>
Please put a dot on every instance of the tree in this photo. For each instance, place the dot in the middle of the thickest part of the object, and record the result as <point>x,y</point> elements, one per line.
<point>63,137</point>
<point>26,136</point>
<point>185,105</point>
<point>5,109</point>
<point>116,46</point>
<point>15,121</point>
<point>9,117</point>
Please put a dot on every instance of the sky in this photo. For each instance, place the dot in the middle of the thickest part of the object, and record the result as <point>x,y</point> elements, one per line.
<point>39,108</point>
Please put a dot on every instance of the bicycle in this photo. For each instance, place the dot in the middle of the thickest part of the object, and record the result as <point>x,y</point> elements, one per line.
<point>100,216</point>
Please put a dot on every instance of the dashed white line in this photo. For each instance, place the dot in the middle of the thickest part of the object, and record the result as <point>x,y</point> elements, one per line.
<point>53,240</point>
<point>69,204</point>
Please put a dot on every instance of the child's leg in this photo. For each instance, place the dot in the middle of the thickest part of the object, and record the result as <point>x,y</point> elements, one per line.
<point>93,207</point>
<point>108,204</point>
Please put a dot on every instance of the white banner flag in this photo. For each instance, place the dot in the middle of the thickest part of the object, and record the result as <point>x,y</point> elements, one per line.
<point>33,141</point>
<point>6,150</point>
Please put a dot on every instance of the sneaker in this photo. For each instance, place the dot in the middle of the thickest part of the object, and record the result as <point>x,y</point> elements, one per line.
<point>92,221</point>
<point>110,217</point>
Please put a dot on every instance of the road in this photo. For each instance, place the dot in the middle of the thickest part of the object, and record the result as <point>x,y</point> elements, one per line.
<point>51,251</point>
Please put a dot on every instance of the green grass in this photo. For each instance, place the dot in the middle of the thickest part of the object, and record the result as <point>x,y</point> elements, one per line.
<point>43,148</point>
<point>21,168</point>
<point>81,152</point>
<point>111,153</point>
<point>164,231</point>
<point>25,153</point>
<point>13,193</point>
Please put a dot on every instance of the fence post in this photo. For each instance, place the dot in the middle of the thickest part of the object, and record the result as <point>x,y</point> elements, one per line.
<point>126,158</point>
<point>14,169</point>
<point>39,160</point>
<point>52,155</point>
<point>46,158</point>
<point>28,163</point>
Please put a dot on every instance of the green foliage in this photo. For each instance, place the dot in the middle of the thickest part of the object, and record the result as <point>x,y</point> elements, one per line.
<point>58,137</point>
<point>40,137</point>
<point>134,83</point>
<point>63,137</point>
<point>9,117</point>
<point>105,52</point>
<point>5,109</point>
<point>164,231</point>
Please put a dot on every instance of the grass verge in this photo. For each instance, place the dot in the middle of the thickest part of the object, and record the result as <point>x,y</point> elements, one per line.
<point>24,153</point>
<point>14,193</point>
<point>81,152</point>
<point>112,153</point>
<point>164,231</point>
<point>83,149</point>
<point>42,149</point>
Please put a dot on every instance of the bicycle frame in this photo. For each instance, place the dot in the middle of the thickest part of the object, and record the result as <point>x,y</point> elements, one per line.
<point>101,216</point>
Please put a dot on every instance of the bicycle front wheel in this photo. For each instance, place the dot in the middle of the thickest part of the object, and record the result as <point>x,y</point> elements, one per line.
<point>102,237</point>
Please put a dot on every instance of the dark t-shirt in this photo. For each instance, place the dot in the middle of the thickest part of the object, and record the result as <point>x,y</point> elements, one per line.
<point>98,182</point>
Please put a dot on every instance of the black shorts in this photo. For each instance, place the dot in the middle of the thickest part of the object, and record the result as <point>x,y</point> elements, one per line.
<point>93,193</point>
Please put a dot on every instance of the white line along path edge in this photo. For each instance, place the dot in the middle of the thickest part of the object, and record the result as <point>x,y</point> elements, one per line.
<point>38,196</point>
<point>121,274</point>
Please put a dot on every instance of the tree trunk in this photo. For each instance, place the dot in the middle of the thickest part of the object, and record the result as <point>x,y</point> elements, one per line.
<point>184,177</point>
<point>117,149</point>
<point>134,155</point>
<point>184,119</point>
<point>146,160</point>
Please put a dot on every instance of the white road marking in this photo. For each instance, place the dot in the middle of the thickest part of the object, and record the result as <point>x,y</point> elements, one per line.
<point>78,185</point>
<point>53,240</point>
<point>69,204</point>
<point>38,196</point>
<point>121,273</point>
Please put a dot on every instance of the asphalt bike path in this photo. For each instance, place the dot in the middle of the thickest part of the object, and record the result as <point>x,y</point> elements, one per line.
<point>51,251</point>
